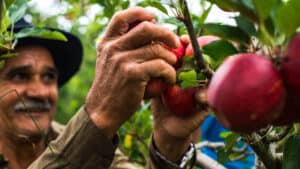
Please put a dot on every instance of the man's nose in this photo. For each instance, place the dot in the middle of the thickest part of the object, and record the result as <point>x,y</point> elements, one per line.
<point>36,88</point>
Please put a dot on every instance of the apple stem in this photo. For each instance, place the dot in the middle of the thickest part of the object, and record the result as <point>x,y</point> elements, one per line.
<point>197,52</point>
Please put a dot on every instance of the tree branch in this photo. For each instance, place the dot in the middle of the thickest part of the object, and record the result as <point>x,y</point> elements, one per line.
<point>197,52</point>
<point>262,150</point>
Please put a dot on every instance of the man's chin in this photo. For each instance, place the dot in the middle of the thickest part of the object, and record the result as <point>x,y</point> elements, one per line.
<point>27,135</point>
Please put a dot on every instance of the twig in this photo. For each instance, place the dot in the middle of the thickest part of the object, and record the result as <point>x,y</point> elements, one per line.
<point>242,156</point>
<point>278,136</point>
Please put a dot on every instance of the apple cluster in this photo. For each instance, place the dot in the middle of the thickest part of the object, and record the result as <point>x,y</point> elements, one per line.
<point>247,92</point>
<point>178,100</point>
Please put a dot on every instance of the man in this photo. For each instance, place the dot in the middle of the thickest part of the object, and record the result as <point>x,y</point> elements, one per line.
<point>126,61</point>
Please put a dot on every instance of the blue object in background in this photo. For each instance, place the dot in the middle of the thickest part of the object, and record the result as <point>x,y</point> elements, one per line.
<point>210,131</point>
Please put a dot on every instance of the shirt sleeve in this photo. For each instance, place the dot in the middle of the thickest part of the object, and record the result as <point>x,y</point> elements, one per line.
<point>81,145</point>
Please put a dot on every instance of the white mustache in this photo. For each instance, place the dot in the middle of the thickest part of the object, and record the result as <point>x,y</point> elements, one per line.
<point>32,105</point>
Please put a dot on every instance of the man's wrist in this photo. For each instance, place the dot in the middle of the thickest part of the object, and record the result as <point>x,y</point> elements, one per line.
<point>172,148</point>
<point>187,160</point>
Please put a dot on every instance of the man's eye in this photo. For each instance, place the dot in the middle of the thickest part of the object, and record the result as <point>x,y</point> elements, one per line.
<point>49,77</point>
<point>18,77</point>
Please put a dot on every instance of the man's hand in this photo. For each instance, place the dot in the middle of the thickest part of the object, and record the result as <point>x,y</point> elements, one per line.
<point>127,58</point>
<point>172,134</point>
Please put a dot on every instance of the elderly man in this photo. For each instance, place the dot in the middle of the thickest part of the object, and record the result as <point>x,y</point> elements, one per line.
<point>126,61</point>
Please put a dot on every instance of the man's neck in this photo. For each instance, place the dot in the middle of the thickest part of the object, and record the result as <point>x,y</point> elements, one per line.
<point>20,152</point>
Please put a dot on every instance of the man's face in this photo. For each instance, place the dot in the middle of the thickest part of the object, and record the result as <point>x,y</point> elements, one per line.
<point>28,92</point>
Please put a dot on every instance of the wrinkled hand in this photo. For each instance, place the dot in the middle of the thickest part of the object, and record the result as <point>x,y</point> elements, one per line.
<point>173,134</point>
<point>126,60</point>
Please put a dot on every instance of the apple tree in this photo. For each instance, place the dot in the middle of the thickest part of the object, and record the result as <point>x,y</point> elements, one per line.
<point>247,71</point>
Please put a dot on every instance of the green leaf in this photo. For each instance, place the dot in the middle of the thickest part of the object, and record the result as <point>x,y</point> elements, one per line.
<point>125,4</point>
<point>291,153</point>
<point>8,3</point>
<point>245,7</point>
<point>222,156</point>
<point>40,33</point>
<point>204,15</point>
<point>219,49</point>
<point>287,17</point>
<point>225,134</point>
<point>231,140</point>
<point>7,55</point>
<point>5,20</point>
<point>264,8</point>
<point>188,79</point>
<point>246,25</point>
<point>17,10</point>
<point>156,4</point>
<point>227,32</point>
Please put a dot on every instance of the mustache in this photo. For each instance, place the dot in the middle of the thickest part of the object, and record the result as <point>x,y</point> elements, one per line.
<point>32,105</point>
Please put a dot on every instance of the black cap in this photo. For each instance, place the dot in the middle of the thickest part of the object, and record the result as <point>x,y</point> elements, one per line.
<point>67,55</point>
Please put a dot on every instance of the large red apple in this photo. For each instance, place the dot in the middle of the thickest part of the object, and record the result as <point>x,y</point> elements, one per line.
<point>246,92</point>
<point>202,41</point>
<point>180,101</point>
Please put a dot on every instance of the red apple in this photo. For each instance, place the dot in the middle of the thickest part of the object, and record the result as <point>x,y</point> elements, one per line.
<point>180,101</point>
<point>291,111</point>
<point>202,41</point>
<point>290,69</point>
<point>179,52</point>
<point>246,92</point>
<point>290,66</point>
<point>154,88</point>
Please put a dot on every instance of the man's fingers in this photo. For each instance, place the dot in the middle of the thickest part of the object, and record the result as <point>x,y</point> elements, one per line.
<point>185,39</point>
<point>158,68</point>
<point>149,52</point>
<point>121,20</point>
<point>148,33</point>
<point>201,96</point>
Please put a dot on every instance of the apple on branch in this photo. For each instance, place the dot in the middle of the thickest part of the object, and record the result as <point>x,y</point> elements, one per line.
<point>290,70</point>
<point>246,92</point>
